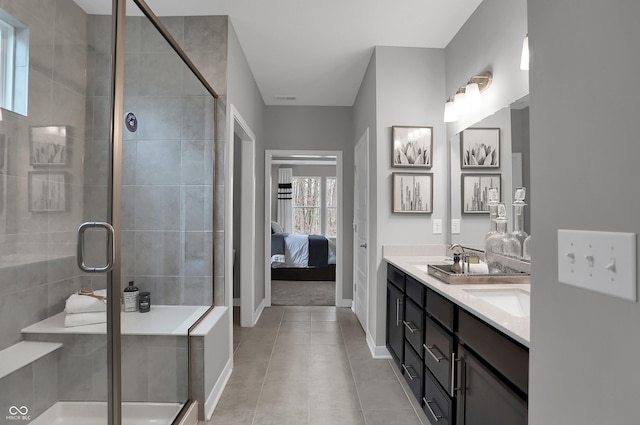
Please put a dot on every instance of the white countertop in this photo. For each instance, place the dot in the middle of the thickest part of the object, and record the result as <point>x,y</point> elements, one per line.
<point>516,327</point>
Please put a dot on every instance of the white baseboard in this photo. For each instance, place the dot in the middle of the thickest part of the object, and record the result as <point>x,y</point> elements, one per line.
<point>236,302</point>
<point>214,396</point>
<point>345,302</point>
<point>377,351</point>
<point>258,312</point>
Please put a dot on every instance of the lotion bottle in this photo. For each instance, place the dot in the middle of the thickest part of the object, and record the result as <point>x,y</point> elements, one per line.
<point>131,298</point>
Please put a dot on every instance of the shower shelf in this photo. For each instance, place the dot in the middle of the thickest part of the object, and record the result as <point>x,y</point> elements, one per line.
<point>23,353</point>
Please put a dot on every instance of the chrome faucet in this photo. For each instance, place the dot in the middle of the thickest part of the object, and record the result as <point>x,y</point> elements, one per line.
<point>461,254</point>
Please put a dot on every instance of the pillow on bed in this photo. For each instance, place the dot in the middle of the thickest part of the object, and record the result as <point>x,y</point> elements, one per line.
<point>276,228</point>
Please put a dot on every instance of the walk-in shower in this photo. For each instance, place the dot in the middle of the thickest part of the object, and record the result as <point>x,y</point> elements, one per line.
<point>117,131</point>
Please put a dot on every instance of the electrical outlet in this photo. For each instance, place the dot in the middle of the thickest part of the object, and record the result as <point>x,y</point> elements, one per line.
<point>437,226</point>
<point>455,226</point>
<point>604,262</point>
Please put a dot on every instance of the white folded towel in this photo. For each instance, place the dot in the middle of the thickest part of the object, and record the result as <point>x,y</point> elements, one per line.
<point>77,303</point>
<point>480,268</point>
<point>79,319</point>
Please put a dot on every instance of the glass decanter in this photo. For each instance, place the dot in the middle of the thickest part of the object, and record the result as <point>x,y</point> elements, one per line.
<point>501,245</point>
<point>494,198</point>
<point>518,217</point>
<point>526,249</point>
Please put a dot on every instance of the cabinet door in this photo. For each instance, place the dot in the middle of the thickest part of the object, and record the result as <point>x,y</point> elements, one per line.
<point>483,398</point>
<point>395,327</point>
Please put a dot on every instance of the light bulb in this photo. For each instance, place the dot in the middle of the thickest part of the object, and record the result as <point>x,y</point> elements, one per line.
<point>450,112</point>
<point>472,95</point>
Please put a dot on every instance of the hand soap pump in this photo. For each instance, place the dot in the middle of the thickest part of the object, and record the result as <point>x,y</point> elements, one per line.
<point>131,298</point>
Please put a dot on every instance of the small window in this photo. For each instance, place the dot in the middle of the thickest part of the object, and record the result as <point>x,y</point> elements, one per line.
<point>306,205</point>
<point>332,207</point>
<point>14,64</point>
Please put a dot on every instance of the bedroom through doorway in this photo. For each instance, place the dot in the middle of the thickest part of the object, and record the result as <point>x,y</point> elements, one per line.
<point>303,225</point>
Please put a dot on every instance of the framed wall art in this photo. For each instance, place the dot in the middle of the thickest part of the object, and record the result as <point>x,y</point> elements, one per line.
<point>480,148</point>
<point>412,146</point>
<point>47,191</point>
<point>49,145</point>
<point>475,192</point>
<point>412,193</point>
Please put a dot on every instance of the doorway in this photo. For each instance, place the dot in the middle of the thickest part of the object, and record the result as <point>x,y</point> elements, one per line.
<point>272,158</point>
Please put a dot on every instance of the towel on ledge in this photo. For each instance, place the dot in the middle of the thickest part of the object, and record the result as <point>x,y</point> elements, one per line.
<point>79,319</point>
<point>77,303</point>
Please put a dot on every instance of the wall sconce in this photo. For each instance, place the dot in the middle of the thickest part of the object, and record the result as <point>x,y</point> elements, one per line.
<point>524,60</point>
<point>467,97</point>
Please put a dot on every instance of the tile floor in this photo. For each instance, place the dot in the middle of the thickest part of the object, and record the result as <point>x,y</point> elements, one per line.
<point>311,365</point>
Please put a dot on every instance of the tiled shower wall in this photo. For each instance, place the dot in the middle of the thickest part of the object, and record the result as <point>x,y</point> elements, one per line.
<point>37,268</point>
<point>168,192</point>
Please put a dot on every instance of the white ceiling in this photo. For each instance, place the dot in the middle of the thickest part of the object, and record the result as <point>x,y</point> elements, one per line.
<point>318,51</point>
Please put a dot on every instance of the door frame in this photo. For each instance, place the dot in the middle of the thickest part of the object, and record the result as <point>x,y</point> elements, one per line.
<point>363,141</point>
<point>268,178</point>
<point>247,145</point>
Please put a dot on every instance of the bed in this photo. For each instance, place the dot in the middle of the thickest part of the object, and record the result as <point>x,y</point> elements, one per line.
<point>302,257</point>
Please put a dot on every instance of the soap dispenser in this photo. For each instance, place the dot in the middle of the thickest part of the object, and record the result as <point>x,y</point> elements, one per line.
<point>131,298</point>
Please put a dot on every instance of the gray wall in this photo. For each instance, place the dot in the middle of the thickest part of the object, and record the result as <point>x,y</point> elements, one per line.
<point>491,39</point>
<point>320,128</point>
<point>520,142</point>
<point>584,153</point>
<point>243,94</point>
<point>412,95</point>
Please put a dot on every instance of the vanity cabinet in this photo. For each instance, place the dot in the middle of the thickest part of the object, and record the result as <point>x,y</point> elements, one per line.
<point>462,370</point>
<point>395,314</point>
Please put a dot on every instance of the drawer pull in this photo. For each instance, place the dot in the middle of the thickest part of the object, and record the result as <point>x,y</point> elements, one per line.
<point>409,374</point>
<point>438,357</point>
<point>398,304</point>
<point>428,404</point>
<point>411,326</point>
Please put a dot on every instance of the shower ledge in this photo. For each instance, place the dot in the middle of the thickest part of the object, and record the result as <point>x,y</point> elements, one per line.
<point>23,353</point>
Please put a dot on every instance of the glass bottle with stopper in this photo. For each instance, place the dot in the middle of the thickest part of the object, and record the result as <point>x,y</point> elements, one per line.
<point>518,217</point>
<point>493,200</point>
<point>501,246</point>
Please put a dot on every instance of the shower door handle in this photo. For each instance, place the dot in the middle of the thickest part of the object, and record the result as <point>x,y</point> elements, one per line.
<point>111,247</point>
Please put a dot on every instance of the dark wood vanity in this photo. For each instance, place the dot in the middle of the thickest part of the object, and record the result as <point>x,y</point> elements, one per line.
<point>460,369</point>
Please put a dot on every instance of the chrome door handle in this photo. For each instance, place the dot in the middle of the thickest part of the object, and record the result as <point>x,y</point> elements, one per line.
<point>111,247</point>
<point>364,245</point>
<point>406,369</point>
<point>428,404</point>
<point>429,349</point>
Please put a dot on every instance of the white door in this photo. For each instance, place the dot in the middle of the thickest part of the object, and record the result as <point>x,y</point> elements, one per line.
<point>361,230</point>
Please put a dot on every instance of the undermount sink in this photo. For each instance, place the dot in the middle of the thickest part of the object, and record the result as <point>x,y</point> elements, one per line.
<point>516,302</point>
<point>444,273</point>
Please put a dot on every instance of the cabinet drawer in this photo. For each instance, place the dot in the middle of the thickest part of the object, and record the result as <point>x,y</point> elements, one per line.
<point>437,405</point>
<point>414,318</point>
<point>505,355</point>
<point>441,309</point>
<point>438,347</point>
<point>413,369</point>
<point>395,276</point>
<point>415,290</point>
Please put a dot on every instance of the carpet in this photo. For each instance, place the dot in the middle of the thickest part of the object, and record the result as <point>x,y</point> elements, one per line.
<point>296,292</point>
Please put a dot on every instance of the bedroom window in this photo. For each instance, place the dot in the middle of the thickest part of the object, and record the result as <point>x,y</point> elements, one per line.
<point>306,205</point>
<point>332,207</point>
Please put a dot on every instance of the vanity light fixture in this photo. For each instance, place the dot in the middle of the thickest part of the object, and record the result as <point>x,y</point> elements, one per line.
<point>450,111</point>
<point>524,60</point>
<point>467,97</point>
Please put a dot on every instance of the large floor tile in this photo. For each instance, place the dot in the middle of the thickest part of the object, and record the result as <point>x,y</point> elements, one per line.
<point>277,417</point>
<point>371,371</point>
<point>392,417</point>
<point>336,417</point>
<point>383,396</point>
<point>281,395</point>
<point>326,338</point>
<point>240,396</point>
<point>231,417</point>
<point>333,395</point>
<point>297,316</point>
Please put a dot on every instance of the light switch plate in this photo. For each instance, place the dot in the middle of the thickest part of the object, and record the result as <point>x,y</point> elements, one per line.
<point>604,262</point>
<point>455,226</point>
<point>437,226</point>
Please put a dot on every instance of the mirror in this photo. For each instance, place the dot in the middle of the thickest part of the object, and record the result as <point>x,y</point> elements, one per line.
<point>511,172</point>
